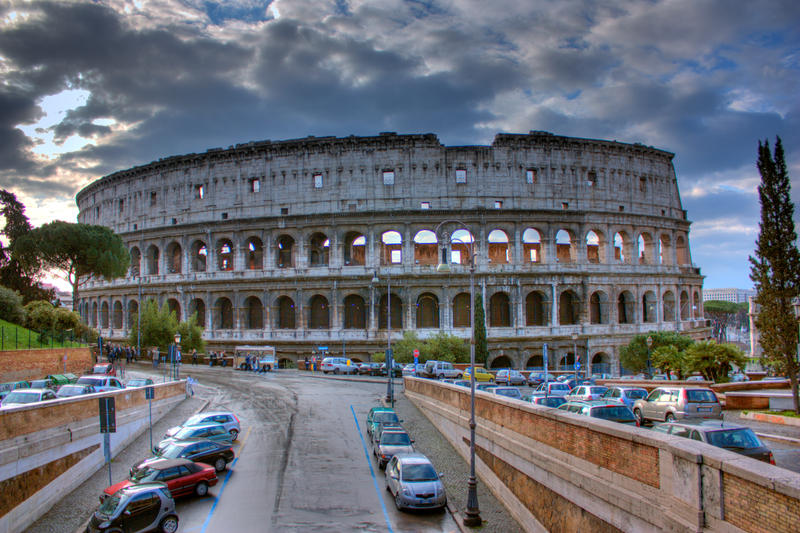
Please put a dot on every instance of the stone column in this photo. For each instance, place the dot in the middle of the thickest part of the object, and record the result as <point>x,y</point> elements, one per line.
<point>211,252</point>
<point>554,308</point>
<point>210,326</point>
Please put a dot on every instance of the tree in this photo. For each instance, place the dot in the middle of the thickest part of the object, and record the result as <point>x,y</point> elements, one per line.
<point>446,347</point>
<point>158,326</point>
<point>11,306</point>
<point>723,314</point>
<point>715,361</point>
<point>191,336</point>
<point>633,356</point>
<point>775,268</point>
<point>39,315</point>
<point>82,251</point>
<point>669,359</point>
<point>481,344</point>
<point>403,350</point>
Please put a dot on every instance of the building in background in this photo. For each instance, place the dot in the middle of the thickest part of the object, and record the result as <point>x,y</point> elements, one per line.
<point>737,296</point>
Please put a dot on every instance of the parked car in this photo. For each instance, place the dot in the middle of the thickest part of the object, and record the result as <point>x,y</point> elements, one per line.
<point>414,483</point>
<point>397,367</point>
<point>371,369</point>
<point>485,386</point>
<point>440,370</point>
<point>548,401</point>
<point>697,378</point>
<point>215,432</point>
<point>218,454</point>
<point>20,397</point>
<point>101,383</point>
<point>537,378</point>
<point>104,369</point>
<point>391,443</point>
<point>382,415</point>
<point>599,409</point>
<point>508,392</point>
<point>73,389</point>
<point>553,388</point>
<point>139,382</point>
<point>733,437</point>
<point>381,428</point>
<point>626,395</point>
<point>226,419</point>
<point>509,376</point>
<point>481,374</point>
<point>463,383</point>
<point>338,365</point>
<point>586,392</point>
<point>182,476</point>
<point>411,369</point>
<point>45,383</point>
<point>667,404</point>
<point>135,509</point>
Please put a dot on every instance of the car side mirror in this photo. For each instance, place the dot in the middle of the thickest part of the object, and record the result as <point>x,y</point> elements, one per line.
<point>441,475</point>
<point>412,441</point>
<point>126,512</point>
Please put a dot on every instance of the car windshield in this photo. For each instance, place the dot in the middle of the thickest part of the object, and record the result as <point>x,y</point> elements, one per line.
<point>613,413</point>
<point>636,394</point>
<point>734,438</point>
<point>395,439</point>
<point>87,381</point>
<point>384,417</point>
<point>553,401</point>
<point>70,390</point>
<point>142,474</point>
<point>21,397</point>
<point>559,386</point>
<point>419,472</point>
<point>511,393</point>
<point>700,396</point>
<point>109,505</point>
<point>99,369</point>
<point>597,390</point>
<point>137,382</point>
<point>194,420</point>
<point>172,451</point>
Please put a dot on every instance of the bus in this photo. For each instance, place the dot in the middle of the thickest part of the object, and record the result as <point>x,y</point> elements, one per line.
<point>264,354</point>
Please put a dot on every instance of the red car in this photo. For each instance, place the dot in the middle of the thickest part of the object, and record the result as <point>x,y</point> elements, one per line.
<point>104,369</point>
<point>182,476</point>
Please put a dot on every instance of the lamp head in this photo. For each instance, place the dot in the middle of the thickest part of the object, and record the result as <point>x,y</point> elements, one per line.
<point>177,338</point>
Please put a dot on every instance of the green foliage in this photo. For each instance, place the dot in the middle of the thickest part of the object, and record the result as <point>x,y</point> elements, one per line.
<point>191,336</point>
<point>633,356</point>
<point>403,349</point>
<point>714,360</point>
<point>481,344</point>
<point>669,359</point>
<point>158,326</point>
<point>11,306</point>
<point>14,337</point>
<point>720,307</point>
<point>378,357</point>
<point>40,315</point>
<point>445,347</point>
<point>775,268</point>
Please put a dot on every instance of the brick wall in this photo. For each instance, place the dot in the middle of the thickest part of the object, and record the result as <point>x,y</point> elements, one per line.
<point>755,508</point>
<point>18,365</point>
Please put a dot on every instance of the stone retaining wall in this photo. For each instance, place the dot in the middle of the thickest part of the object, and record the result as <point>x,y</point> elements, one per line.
<point>18,365</point>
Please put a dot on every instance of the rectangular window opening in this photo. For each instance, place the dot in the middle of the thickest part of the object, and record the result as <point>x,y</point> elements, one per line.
<point>200,192</point>
<point>388,177</point>
<point>530,175</point>
<point>461,175</point>
<point>397,257</point>
<point>121,206</point>
<point>425,205</point>
<point>621,208</point>
<point>224,216</point>
<point>498,204</point>
<point>318,181</point>
<point>564,205</point>
<point>255,185</point>
<point>153,199</point>
<point>284,210</point>
<point>591,179</point>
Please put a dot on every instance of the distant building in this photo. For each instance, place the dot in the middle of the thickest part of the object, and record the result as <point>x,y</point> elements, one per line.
<point>737,296</point>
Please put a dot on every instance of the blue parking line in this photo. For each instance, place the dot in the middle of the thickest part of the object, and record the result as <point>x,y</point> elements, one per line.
<point>372,472</point>
<point>219,495</point>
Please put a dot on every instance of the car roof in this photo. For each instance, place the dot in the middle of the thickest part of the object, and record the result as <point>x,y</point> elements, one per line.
<point>413,458</point>
<point>710,425</point>
<point>161,464</point>
<point>214,413</point>
<point>143,487</point>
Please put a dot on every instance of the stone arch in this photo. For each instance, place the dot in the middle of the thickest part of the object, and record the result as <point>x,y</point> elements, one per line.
<point>253,313</point>
<point>500,310</point>
<point>136,262</point>
<point>460,243</point>
<point>104,315</point>
<point>565,246</point>
<point>536,309</point>
<point>696,305</point>
<point>664,249</point>
<point>285,256</point>
<point>94,314</point>
<point>174,307</point>
<point>568,308</point>
<point>117,315</point>
<point>626,313</point>
<point>254,250</point>
<point>152,259</point>
<point>567,361</point>
<point>598,307</point>
<point>426,248</point>
<point>199,256</point>
<point>355,312</point>
<point>461,310</point>
<point>645,245</point>
<point>174,258</point>
<point>501,361</point>
<point>601,363</point>
<point>355,249</point>
<point>391,248</point>
<point>682,250</point>
<point>397,312</point>
<point>622,247</point>
<point>499,250</point>
<point>535,361</point>
<point>224,255</point>
<point>428,311</point>
<point>684,305</point>
<point>649,306</point>
<point>532,246</point>
<point>223,313</point>
<point>319,312</point>
<point>285,313</point>
<point>198,307</point>
<point>668,314</point>
<point>319,250</point>
<point>595,247</point>
<point>133,313</point>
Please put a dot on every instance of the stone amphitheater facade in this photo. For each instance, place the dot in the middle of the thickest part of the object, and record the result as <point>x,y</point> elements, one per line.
<point>577,243</point>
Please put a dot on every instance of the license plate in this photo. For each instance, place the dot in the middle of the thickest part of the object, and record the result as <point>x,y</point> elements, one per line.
<point>704,409</point>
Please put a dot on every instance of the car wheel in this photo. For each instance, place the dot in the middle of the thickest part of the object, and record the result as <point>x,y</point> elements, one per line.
<point>169,524</point>
<point>201,489</point>
<point>397,501</point>
<point>669,418</point>
<point>336,371</point>
<point>234,434</point>
<point>440,376</point>
<point>219,464</point>
<point>459,376</point>
<point>638,414</point>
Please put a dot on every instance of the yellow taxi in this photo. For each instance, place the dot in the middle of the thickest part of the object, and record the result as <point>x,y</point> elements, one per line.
<point>481,374</point>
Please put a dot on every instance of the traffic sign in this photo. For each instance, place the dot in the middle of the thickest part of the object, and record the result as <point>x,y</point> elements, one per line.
<point>544,353</point>
<point>577,365</point>
<point>149,393</point>
<point>108,415</point>
<point>322,348</point>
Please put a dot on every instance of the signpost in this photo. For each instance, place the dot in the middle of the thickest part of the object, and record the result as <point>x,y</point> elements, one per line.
<point>108,425</point>
<point>546,373</point>
<point>416,360</point>
<point>149,394</point>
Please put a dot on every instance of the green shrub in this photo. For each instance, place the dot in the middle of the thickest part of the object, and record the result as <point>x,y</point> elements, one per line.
<point>11,306</point>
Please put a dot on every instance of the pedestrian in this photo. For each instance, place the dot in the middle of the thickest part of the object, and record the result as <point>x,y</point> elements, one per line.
<point>306,361</point>
<point>190,381</point>
<point>194,356</point>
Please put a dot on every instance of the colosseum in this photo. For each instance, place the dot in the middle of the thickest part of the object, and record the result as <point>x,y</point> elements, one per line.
<point>337,244</point>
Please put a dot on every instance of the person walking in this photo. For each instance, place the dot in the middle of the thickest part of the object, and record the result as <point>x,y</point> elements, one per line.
<point>194,356</point>
<point>190,381</point>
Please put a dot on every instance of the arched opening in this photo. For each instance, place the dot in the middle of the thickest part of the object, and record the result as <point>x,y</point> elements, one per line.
<point>625,308</point>
<point>535,311</point>
<point>598,308</point>
<point>133,313</point>
<point>565,249</point>
<point>391,248</point>
<point>601,363</point>
<point>253,313</point>
<point>428,311</point>
<point>621,247</point>
<point>286,318</point>
<point>104,315</point>
<point>197,307</point>
<point>684,305</point>
<point>664,250</point>
<point>649,304</point>
<point>535,362</point>
<point>669,307</point>
<point>117,320</point>
<point>682,251</point>
<point>426,248</point>
<point>224,311</point>
<point>532,246</point>
<point>255,253</point>
<point>595,248</point>
<point>319,247</point>
<point>568,311</point>
<point>397,313</point>
<point>499,253</point>
<point>645,243</point>
<point>696,309</point>
<point>355,312</point>
<point>174,258</point>
<point>152,260</point>
<point>567,361</point>
<point>285,252</point>
<point>319,313</point>
<point>461,310</point>
<point>199,256</point>
<point>224,255</point>
<point>136,262</point>
<point>460,243</point>
<point>501,361</point>
<point>94,314</point>
<point>174,307</point>
<point>355,246</point>
<point>499,310</point>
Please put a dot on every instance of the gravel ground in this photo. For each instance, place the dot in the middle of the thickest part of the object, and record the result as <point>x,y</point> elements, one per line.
<point>72,512</point>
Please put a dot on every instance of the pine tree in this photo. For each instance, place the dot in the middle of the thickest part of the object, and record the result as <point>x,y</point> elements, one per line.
<point>481,345</point>
<point>775,269</point>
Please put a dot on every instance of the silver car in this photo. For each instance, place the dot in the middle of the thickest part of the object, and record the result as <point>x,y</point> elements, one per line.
<point>414,483</point>
<point>508,392</point>
<point>225,418</point>
<point>392,443</point>
<point>667,404</point>
<point>27,396</point>
<point>626,395</point>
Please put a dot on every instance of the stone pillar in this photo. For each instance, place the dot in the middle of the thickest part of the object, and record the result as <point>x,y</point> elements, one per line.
<point>210,326</point>
<point>516,252</point>
<point>408,247</point>
<point>211,252</point>
<point>301,256</point>
<point>265,302</point>
<point>554,308</point>
<point>300,321</point>
<point>237,310</point>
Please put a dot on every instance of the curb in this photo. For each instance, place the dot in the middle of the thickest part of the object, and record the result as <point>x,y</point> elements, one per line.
<point>779,438</point>
<point>771,419</point>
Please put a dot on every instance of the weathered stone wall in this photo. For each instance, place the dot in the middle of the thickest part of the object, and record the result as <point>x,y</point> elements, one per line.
<point>18,365</point>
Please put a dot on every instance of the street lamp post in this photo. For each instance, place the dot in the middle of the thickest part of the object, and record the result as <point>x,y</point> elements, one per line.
<point>649,364</point>
<point>175,370</point>
<point>389,359</point>
<point>576,362</point>
<point>473,516</point>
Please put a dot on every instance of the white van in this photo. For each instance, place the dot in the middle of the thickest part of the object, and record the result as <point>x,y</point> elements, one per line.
<point>338,365</point>
<point>441,370</point>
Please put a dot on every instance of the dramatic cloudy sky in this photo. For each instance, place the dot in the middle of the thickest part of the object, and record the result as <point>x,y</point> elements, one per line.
<point>88,88</point>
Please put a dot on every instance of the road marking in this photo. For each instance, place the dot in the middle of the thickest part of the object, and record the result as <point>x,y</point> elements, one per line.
<point>225,482</point>
<point>372,472</point>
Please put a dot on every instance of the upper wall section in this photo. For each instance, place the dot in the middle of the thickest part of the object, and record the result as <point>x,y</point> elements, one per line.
<point>388,172</point>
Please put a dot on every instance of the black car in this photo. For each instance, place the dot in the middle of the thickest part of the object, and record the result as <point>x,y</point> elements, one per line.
<point>136,508</point>
<point>217,454</point>
<point>397,370</point>
<point>733,437</point>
